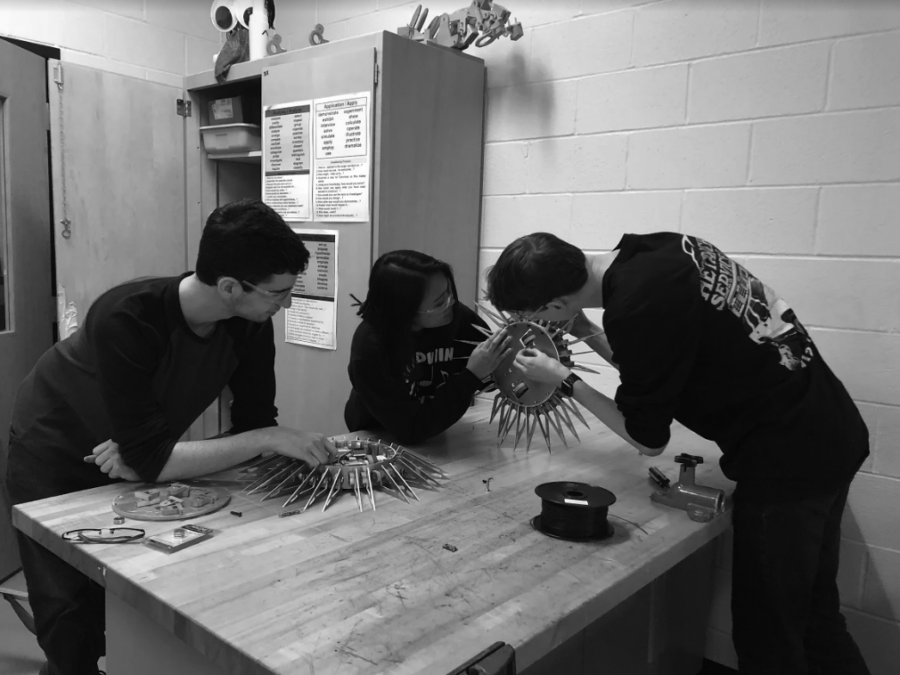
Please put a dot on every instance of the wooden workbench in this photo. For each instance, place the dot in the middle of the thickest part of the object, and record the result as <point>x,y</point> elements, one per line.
<point>349,593</point>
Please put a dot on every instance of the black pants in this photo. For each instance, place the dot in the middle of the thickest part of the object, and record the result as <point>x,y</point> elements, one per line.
<point>69,609</point>
<point>784,600</point>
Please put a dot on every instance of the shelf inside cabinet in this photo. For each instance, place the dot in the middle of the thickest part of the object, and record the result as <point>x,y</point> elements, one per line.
<point>252,157</point>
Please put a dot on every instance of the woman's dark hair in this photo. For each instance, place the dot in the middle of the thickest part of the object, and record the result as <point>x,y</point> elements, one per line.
<point>249,241</point>
<point>397,286</point>
<point>533,270</point>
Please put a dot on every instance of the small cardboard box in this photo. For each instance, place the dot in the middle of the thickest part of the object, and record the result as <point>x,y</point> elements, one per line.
<point>227,110</point>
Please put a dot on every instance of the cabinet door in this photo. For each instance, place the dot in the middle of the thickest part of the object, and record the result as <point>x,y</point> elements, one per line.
<point>312,383</point>
<point>118,182</point>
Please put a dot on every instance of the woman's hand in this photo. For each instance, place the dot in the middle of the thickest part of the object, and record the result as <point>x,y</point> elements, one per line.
<point>538,367</point>
<point>107,457</point>
<point>489,354</point>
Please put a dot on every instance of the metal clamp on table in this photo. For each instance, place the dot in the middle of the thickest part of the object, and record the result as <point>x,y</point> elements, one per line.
<point>498,659</point>
<point>701,503</point>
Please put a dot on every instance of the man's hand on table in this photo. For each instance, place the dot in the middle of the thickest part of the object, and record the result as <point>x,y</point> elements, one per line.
<point>312,447</point>
<point>107,457</point>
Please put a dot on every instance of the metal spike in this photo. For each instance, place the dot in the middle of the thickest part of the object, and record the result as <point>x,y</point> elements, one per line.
<point>262,479</point>
<point>571,406</point>
<point>501,422</point>
<point>425,463</point>
<point>497,400</point>
<point>569,343</point>
<point>369,487</point>
<point>519,419</point>
<point>496,319</point>
<point>469,342</point>
<point>259,461</point>
<point>356,489</point>
<point>482,330</point>
<point>567,326</point>
<point>300,487</point>
<point>271,478</point>
<point>531,423</point>
<point>396,484</point>
<point>315,492</point>
<point>576,366</point>
<point>556,427</point>
<point>418,472</point>
<point>403,480</point>
<point>545,429</point>
<point>510,421</point>
<point>568,420</point>
<point>291,476</point>
<point>335,486</point>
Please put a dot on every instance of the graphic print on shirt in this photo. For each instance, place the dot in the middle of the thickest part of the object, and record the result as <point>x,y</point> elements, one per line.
<point>767,318</point>
<point>426,376</point>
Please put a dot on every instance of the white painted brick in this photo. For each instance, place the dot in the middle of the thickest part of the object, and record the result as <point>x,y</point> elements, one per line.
<point>387,4</point>
<point>507,218</point>
<point>871,513</point>
<point>486,259</point>
<point>852,573</point>
<point>882,594</point>
<point>759,84</point>
<point>200,54</point>
<point>770,220</point>
<point>332,11</point>
<point>100,63</point>
<point>300,40</point>
<point>859,220</point>
<point>534,13</point>
<point>685,29</point>
<point>867,363</point>
<point>870,413</point>
<point>604,6</point>
<point>886,445</point>
<point>714,156</point>
<point>190,17</point>
<point>68,25</point>
<point>825,292</point>
<point>599,220</point>
<point>161,77</point>
<point>144,45</point>
<point>878,640</point>
<point>634,99</point>
<point>298,17</point>
<point>131,8</point>
<point>866,72</point>
<point>504,168</point>
<point>596,44</point>
<point>507,63</point>
<point>530,111</point>
<point>841,147</point>
<point>576,164</point>
<point>783,22</point>
<point>375,22</point>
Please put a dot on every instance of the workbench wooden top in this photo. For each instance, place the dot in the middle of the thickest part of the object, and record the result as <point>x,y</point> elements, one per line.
<point>349,593</point>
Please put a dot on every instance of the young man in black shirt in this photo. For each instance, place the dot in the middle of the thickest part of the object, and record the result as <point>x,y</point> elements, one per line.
<point>700,340</point>
<point>152,355</point>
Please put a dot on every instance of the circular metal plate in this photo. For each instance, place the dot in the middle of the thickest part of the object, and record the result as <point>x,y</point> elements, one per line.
<point>510,381</point>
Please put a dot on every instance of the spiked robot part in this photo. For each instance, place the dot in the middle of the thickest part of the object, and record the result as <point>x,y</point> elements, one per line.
<point>361,466</point>
<point>524,405</point>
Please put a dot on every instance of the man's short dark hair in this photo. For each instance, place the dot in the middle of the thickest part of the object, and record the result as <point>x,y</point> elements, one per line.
<point>248,241</point>
<point>533,270</point>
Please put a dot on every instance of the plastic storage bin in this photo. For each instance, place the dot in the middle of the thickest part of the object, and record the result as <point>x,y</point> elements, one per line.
<point>228,138</point>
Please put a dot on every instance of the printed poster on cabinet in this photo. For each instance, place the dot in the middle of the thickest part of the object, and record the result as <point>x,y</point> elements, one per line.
<point>312,318</point>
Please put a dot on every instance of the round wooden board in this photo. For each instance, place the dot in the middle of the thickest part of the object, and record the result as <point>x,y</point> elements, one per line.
<point>126,503</point>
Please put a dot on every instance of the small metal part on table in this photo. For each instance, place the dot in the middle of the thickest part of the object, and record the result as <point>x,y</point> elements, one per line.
<point>451,548</point>
<point>119,520</point>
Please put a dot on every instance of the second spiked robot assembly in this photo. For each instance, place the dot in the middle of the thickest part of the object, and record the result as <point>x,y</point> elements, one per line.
<point>524,405</point>
<point>362,466</point>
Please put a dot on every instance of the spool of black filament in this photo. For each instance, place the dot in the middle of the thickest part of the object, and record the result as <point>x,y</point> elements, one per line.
<point>574,511</point>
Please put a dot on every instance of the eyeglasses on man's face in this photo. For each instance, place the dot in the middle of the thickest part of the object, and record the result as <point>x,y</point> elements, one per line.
<point>274,296</point>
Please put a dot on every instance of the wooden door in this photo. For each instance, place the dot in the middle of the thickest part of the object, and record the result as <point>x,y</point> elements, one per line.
<point>118,182</point>
<point>26,310</point>
<point>312,383</point>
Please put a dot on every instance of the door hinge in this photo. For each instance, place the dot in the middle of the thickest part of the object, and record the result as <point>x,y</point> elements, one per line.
<point>376,73</point>
<point>183,107</point>
<point>58,74</point>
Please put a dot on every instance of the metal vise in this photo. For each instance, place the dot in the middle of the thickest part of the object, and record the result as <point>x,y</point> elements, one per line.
<point>701,503</point>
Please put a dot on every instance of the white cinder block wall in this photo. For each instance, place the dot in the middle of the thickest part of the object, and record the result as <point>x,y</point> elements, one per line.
<point>157,40</point>
<point>771,128</point>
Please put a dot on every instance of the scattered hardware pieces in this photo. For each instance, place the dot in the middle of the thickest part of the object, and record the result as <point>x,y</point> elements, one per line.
<point>173,501</point>
<point>451,548</point>
<point>237,513</point>
<point>487,483</point>
<point>118,520</point>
